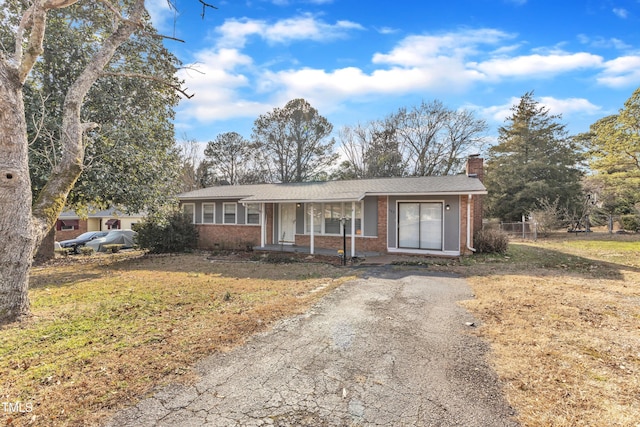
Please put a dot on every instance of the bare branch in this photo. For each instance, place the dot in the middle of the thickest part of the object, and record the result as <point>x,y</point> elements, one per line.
<point>205,6</point>
<point>38,124</point>
<point>148,77</point>
<point>160,36</point>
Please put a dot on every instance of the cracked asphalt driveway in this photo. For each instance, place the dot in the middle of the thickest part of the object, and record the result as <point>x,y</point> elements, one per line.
<point>389,349</point>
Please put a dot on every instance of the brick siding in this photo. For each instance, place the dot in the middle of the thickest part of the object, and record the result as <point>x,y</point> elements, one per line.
<point>72,234</point>
<point>475,166</point>
<point>219,236</point>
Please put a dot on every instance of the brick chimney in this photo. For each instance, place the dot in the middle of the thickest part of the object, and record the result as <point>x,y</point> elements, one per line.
<point>475,169</point>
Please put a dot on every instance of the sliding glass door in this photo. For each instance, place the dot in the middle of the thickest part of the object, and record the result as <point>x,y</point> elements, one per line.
<point>420,225</point>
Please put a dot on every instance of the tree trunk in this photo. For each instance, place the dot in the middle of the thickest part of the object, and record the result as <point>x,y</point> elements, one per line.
<point>22,225</point>
<point>45,251</point>
<point>18,232</point>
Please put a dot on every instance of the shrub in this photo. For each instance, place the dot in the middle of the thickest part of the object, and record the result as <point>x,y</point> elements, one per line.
<point>62,251</point>
<point>166,234</point>
<point>630,222</point>
<point>113,248</point>
<point>490,242</point>
<point>87,250</point>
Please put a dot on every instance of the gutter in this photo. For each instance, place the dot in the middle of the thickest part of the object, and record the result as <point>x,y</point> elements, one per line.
<point>469,224</point>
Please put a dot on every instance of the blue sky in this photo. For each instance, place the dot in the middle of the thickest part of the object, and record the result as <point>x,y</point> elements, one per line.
<point>359,61</point>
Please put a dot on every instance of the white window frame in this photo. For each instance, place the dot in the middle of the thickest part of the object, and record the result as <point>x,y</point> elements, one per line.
<point>193,206</point>
<point>213,221</point>
<point>442,224</point>
<point>255,206</point>
<point>224,213</point>
<point>345,209</point>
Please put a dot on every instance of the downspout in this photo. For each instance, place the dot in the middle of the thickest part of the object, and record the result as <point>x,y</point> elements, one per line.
<point>469,224</point>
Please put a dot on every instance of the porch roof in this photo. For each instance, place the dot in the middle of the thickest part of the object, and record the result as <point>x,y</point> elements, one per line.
<point>353,190</point>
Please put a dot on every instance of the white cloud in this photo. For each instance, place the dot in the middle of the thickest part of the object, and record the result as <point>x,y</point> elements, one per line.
<point>621,12</point>
<point>215,80</point>
<point>231,85</point>
<point>235,32</point>
<point>621,72</point>
<point>496,113</point>
<point>565,107</point>
<point>387,30</point>
<point>536,65</point>
<point>350,82</point>
<point>569,106</point>
<point>603,43</point>
<point>162,15</point>
<point>423,50</point>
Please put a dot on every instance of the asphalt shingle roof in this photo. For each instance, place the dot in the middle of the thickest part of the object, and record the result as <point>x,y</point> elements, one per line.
<point>341,190</point>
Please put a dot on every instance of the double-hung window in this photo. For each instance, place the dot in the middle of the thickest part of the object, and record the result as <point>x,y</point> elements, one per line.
<point>253,213</point>
<point>189,211</point>
<point>229,213</point>
<point>208,213</point>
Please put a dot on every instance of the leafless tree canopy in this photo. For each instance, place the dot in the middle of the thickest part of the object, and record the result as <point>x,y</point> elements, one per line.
<point>429,139</point>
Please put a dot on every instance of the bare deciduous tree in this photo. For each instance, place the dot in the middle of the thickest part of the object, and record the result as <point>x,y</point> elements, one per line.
<point>429,139</point>
<point>228,156</point>
<point>293,142</point>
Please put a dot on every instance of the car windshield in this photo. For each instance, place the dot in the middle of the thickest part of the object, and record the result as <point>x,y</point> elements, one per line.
<point>86,235</point>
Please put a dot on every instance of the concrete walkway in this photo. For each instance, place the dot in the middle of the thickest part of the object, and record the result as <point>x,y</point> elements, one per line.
<point>389,349</point>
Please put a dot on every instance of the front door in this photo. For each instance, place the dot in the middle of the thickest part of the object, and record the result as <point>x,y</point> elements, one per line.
<point>287,223</point>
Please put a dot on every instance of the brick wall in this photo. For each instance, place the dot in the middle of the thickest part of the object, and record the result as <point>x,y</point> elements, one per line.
<point>214,236</point>
<point>71,234</point>
<point>380,244</point>
<point>475,166</point>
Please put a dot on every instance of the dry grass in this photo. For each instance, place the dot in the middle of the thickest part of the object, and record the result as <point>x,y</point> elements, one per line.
<point>563,319</point>
<point>108,330</point>
<point>562,316</point>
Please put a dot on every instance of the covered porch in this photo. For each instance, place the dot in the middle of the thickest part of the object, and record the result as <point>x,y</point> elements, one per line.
<point>322,227</point>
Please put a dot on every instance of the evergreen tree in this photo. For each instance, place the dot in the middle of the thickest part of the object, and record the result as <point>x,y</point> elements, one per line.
<point>614,143</point>
<point>534,160</point>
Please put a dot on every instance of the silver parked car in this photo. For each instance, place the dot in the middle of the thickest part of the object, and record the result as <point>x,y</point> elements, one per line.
<point>80,241</point>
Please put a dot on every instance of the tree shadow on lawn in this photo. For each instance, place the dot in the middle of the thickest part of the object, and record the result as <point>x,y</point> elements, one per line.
<point>235,267</point>
<point>57,279</point>
<point>520,258</point>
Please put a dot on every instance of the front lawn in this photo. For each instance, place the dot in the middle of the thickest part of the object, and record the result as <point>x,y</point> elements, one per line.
<point>563,319</point>
<point>108,329</point>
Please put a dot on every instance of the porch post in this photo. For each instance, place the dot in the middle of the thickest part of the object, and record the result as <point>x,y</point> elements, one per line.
<point>263,224</point>
<point>353,229</point>
<point>311,242</point>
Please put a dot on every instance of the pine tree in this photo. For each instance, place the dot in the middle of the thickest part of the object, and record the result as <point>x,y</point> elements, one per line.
<point>535,159</point>
<point>614,143</point>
